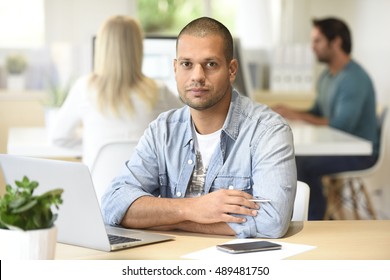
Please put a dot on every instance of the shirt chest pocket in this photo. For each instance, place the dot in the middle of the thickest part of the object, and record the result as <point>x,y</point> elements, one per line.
<point>232,183</point>
<point>167,187</point>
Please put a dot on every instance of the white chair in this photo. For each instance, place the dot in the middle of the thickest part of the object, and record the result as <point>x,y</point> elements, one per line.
<point>301,203</point>
<point>109,160</point>
<point>377,176</point>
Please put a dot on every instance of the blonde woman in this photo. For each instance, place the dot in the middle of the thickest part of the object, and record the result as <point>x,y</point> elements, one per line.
<point>116,101</point>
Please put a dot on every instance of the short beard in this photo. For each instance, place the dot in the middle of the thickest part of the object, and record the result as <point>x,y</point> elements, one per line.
<point>205,106</point>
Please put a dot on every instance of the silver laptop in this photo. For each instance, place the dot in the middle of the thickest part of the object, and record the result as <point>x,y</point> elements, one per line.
<point>80,221</point>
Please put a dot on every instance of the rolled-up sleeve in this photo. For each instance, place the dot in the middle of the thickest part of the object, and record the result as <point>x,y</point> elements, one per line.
<point>117,200</point>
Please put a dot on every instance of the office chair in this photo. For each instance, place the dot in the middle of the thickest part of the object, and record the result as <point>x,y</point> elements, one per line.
<point>301,203</point>
<point>355,180</point>
<point>109,160</point>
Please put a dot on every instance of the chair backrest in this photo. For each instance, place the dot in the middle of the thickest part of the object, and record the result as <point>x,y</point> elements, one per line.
<point>109,160</point>
<point>301,203</point>
<point>384,127</point>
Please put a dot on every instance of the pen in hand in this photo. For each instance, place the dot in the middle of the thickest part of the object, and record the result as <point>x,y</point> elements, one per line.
<point>259,200</point>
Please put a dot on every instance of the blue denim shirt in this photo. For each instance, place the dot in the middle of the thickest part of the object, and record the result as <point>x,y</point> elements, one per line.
<point>255,155</point>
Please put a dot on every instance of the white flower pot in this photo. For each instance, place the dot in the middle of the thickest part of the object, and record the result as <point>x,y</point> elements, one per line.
<point>28,245</point>
<point>16,82</point>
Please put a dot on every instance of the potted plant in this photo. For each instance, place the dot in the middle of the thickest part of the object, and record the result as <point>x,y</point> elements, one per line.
<point>27,229</point>
<point>16,64</point>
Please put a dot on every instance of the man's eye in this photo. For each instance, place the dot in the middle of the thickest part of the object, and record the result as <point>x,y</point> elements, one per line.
<point>186,64</point>
<point>211,64</point>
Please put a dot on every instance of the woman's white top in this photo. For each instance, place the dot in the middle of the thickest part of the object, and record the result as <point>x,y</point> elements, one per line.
<point>79,111</point>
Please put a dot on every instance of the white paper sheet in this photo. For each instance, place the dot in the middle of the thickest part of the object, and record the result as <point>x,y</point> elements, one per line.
<point>288,250</point>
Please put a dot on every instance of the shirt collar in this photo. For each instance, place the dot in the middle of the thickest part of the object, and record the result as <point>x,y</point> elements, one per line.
<point>231,125</point>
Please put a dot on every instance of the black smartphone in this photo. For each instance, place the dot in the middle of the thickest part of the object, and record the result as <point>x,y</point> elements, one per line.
<point>247,247</point>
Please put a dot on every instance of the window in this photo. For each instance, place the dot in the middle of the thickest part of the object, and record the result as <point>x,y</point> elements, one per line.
<point>227,14</point>
<point>168,17</point>
<point>22,23</point>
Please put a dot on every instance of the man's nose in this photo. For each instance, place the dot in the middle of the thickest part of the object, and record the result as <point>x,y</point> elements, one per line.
<point>198,74</point>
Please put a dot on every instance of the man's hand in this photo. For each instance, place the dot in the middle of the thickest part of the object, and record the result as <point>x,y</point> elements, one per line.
<point>287,112</point>
<point>218,206</point>
<point>292,114</point>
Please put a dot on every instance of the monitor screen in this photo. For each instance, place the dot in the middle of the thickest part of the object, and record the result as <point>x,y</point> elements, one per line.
<point>159,54</point>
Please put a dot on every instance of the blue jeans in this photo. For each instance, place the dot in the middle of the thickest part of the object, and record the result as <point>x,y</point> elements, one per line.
<point>310,170</point>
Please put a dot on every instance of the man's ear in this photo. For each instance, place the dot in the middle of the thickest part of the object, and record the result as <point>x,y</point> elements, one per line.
<point>337,42</point>
<point>233,67</point>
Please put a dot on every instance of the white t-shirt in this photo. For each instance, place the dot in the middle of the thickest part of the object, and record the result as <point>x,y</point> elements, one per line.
<point>205,144</point>
<point>97,128</point>
<point>204,147</point>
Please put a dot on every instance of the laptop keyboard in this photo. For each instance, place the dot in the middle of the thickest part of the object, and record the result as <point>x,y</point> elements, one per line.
<point>115,239</point>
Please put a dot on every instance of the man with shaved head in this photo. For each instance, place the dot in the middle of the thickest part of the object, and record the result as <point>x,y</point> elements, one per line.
<point>200,167</point>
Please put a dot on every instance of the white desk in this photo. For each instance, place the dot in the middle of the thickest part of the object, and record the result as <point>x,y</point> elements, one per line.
<point>334,240</point>
<point>34,142</point>
<point>309,140</point>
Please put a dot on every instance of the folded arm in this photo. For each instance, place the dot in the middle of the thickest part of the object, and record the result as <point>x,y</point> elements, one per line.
<point>189,213</point>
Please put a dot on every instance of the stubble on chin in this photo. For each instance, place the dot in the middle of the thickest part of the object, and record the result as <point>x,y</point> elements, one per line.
<point>196,105</point>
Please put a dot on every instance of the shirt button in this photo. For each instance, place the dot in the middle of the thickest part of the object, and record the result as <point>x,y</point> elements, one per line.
<point>231,187</point>
<point>190,161</point>
<point>178,194</point>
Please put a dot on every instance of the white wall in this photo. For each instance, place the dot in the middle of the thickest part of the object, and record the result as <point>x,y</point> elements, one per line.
<point>70,26</point>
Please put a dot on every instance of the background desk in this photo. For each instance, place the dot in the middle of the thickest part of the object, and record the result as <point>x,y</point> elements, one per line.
<point>34,142</point>
<point>312,140</point>
<point>335,240</point>
<point>308,140</point>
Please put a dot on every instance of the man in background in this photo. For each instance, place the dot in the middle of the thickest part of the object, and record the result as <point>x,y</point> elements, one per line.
<point>345,100</point>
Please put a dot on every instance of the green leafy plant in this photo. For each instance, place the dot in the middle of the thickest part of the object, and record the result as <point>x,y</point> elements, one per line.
<point>166,16</point>
<point>21,209</point>
<point>16,64</point>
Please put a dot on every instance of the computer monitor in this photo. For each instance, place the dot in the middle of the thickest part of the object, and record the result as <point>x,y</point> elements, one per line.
<point>160,52</point>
